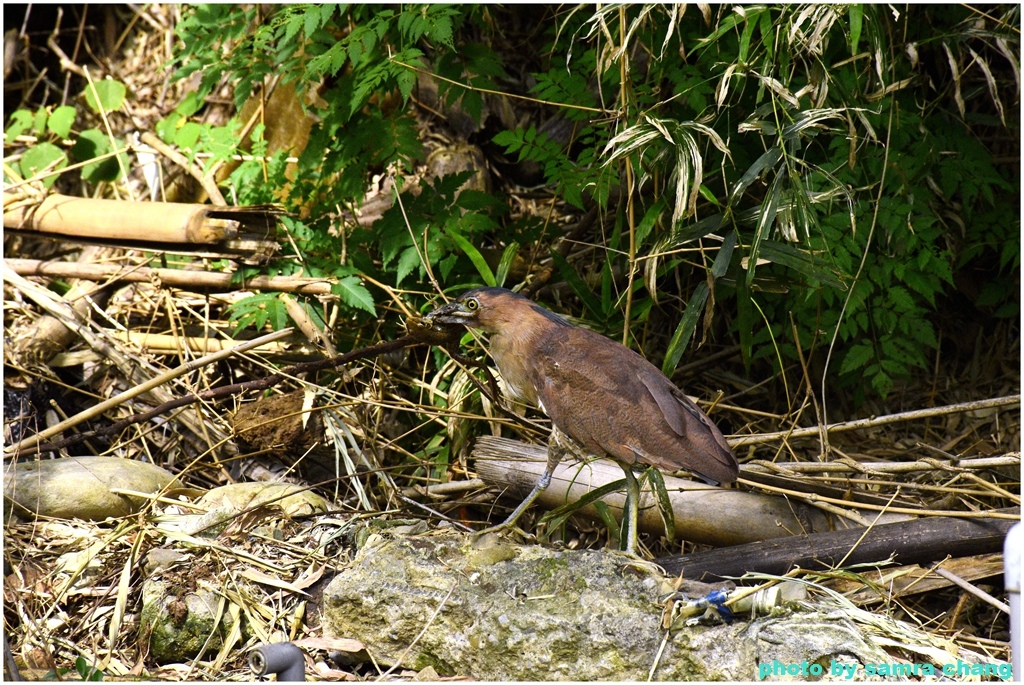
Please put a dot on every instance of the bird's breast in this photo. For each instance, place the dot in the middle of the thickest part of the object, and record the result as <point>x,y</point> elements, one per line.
<point>514,360</point>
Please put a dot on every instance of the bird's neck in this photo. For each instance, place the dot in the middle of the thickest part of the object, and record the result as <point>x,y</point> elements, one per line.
<point>513,348</point>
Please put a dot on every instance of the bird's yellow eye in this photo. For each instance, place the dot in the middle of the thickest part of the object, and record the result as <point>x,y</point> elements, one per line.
<point>472,305</point>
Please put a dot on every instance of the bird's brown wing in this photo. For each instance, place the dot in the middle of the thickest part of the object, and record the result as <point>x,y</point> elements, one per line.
<point>611,400</point>
<point>689,422</point>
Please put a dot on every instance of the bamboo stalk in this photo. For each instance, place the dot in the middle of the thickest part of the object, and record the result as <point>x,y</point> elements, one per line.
<point>703,513</point>
<point>118,220</point>
<point>174,278</point>
<point>814,431</point>
<point>976,464</point>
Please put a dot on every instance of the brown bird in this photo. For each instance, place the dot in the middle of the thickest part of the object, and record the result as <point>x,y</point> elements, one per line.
<point>600,394</point>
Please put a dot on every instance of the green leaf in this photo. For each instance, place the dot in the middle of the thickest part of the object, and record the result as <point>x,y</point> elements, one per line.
<point>901,299</point>
<point>311,20</point>
<point>856,26</point>
<point>473,105</point>
<point>39,122</point>
<point>579,286</point>
<point>856,357</point>
<point>407,263</point>
<point>189,105</point>
<point>683,333</point>
<point>221,141</point>
<point>61,121</point>
<point>257,311</point>
<point>89,673</point>
<point>924,333</point>
<point>882,383</point>
<point>447,264</point>
<point>668,516</point>
<point>353,293</point>
<point>475,200</point>
<point>507,258</point>
<point>474,256</point>
<point>106,95</point>
<point>406,82</point>
<point>1009,310</point>
<point>167,128</point>
<point>802,261</point>
<point>42,156</point>
<point>187,136</point>
<point>510,140</point>
<point>90,145</point>
<point>21,121</point>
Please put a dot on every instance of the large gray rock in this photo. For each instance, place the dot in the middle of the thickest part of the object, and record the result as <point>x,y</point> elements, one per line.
<point>510,612</point>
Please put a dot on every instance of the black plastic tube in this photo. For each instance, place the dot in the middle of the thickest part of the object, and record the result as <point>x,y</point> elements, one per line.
<point>281,658</point>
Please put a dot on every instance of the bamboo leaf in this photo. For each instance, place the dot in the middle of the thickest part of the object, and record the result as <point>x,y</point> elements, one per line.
<point>557,517</point>
<point>766,161</point>
<point>802,261</point>
<point>765,219</point>
<point>683,333</point>
<point>507,257</point>
<point>856,26</point>
<point>668,516</point>
<point>608,518</point>
<point>578,285</point>
<point>474,256</point>
<point>745,320</point>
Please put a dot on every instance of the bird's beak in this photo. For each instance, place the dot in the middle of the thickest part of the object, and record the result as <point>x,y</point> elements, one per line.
<point>449,314</point>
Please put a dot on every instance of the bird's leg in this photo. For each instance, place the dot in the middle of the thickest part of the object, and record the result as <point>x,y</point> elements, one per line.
<point>555,453</point>
<point>632,508</point>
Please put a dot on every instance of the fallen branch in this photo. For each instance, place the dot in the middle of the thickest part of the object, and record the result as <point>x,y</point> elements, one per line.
<point>908,542</point>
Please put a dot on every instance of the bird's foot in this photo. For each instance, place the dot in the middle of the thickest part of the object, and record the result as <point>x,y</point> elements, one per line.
<point>503,526</point>
<point>634,560</point>
<point>626,554</point>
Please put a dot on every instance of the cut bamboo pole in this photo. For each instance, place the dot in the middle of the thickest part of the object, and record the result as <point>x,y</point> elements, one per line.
<point>118,220</point>
<point>174,278</point>
<point>703,513</point>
